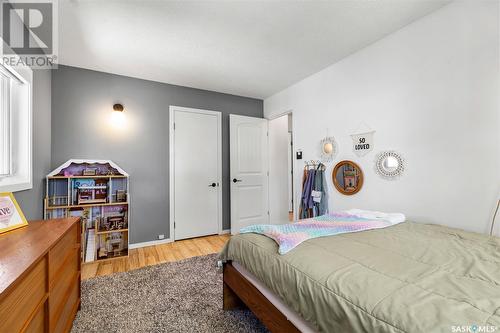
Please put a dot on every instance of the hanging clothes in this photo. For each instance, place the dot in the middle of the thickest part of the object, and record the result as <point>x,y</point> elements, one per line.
<point>307,202</point>
<point>304,178</point>
<point>318,193</point>
<point>314,198</point>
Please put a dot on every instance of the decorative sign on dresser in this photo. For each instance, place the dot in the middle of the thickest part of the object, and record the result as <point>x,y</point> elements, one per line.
<point>11,215</point>
<point>40,276</point>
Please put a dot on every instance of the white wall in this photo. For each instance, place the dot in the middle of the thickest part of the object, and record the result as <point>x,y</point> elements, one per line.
<point>278,169</point>
<point>430,90</point>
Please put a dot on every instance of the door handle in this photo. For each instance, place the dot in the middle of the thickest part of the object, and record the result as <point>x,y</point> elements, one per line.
<point>237,180</point>
<point>213,185</point>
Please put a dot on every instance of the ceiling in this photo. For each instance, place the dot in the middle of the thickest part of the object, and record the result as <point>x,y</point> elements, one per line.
<point>247,48</point>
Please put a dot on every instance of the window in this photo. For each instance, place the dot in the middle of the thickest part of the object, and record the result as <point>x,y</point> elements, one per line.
<point>15,128</point>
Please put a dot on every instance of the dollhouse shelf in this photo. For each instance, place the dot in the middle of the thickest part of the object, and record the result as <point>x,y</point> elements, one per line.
<point>86,205</point>
<point>97,191</point>
<point>111,231</point>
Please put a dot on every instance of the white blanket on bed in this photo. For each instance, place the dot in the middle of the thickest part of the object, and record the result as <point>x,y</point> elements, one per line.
<point>393,218</point>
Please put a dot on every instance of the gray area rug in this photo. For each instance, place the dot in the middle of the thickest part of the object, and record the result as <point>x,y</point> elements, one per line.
<point>183,296</point>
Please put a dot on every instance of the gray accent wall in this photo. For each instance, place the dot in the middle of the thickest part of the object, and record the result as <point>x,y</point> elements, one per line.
<point>31,201</point>
<point>82,102</point>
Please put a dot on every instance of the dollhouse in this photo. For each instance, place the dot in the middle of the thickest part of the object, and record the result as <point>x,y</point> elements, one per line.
<point>97,192</point>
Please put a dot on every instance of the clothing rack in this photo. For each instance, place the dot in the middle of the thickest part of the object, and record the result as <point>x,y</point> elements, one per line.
<point>314,164</point>
<point>314,197</point>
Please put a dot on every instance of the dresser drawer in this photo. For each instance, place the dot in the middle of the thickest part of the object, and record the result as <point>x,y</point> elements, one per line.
<point>70,307</point>
<point>37,324</point>
<point>59,253</point>
<point>62,285</point>
<point>21,302</point>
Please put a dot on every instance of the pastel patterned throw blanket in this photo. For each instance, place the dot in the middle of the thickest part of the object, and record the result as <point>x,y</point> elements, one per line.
<point>288,236</point>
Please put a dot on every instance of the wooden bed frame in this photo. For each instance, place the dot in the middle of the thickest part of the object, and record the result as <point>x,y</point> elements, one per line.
<point>238,292</point>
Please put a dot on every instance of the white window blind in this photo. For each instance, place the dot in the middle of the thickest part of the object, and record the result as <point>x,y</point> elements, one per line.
<point>5,125</point>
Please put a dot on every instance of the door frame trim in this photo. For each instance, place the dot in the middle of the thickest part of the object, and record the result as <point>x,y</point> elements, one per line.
<point>296,185</point>
<point>171,143</point>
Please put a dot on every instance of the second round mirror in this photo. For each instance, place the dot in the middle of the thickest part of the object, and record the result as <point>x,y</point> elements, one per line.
<point>390,163</point>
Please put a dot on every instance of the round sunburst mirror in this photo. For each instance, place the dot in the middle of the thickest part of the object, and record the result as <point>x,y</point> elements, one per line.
<point>328,149</point>
<point>389,165</point>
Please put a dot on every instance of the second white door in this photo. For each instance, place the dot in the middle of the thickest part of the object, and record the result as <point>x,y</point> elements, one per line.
<point>249,172</point>
<point>196,154</point>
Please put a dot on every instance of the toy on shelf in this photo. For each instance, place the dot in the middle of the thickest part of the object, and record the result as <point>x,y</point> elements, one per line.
<point>91,191</point>
<point>121,196</point>
<point>114,218</point>
<point>97,192</point>
<point>112,245</point>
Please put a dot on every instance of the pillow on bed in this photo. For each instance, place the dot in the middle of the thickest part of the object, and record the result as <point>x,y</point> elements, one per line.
<point>393,218</point>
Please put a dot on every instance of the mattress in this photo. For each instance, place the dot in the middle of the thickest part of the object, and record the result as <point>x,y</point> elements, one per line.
<point>406,278</point>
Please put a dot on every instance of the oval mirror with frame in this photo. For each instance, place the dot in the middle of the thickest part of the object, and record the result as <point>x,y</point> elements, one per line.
<point>389,165</point>
<point>347,177</point>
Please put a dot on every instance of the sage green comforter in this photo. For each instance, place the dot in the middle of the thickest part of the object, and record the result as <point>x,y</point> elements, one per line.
<point>406,278</point>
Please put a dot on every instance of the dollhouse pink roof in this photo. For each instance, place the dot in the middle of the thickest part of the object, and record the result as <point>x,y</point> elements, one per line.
<point>74,165</point>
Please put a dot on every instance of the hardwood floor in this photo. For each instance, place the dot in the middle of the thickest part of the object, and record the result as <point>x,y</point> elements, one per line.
<point>157,254</point>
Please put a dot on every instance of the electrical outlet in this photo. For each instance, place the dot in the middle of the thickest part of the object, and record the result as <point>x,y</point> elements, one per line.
<point>161,236</point>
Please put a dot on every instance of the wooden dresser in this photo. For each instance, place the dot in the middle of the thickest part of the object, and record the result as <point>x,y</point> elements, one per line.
<point>40,276</point>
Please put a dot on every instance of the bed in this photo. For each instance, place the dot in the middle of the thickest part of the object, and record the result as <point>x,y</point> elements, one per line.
<point>409,277</point>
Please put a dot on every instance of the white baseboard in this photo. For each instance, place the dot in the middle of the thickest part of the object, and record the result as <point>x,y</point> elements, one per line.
<point>150,243</point>
<point>164,241</point>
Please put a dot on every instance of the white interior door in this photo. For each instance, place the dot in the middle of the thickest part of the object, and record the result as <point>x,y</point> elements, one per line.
<point>249,172</point>
<point>196,153</point>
